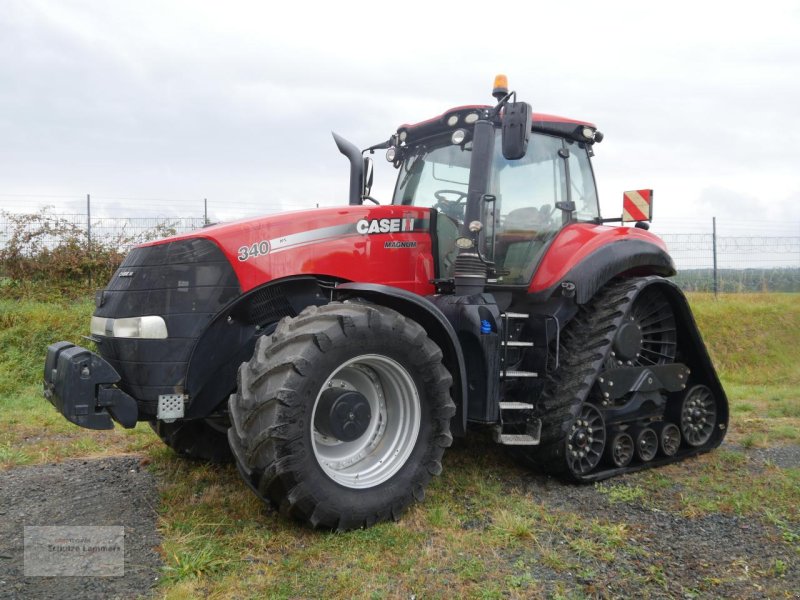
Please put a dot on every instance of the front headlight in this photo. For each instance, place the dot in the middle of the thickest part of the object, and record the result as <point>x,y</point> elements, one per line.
<point>149,327</point>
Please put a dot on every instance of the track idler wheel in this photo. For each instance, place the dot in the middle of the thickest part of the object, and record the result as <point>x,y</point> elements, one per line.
<point>620,449</point>
<point>698,415</point>
<point>586,440</point>
<point>646,443</point>
<point>669,439</point>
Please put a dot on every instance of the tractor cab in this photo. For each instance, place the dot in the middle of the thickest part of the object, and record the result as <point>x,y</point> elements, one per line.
<point>502,182</point>
<point>526,203</point>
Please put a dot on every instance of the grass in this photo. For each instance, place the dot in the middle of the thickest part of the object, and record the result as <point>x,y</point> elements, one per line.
<point>485,530</point>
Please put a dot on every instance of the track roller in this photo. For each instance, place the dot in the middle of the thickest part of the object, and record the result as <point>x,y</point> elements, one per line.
<point>669,439</point>
<point>646,443</point>
<point>620,449</point>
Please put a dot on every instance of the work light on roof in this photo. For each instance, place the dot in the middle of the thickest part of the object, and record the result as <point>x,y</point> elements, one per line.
<point>452,120</point>
<point>471,118</point>
<point>458,137</point>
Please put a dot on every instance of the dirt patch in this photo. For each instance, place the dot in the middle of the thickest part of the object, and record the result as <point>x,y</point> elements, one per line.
<point>102,492</point>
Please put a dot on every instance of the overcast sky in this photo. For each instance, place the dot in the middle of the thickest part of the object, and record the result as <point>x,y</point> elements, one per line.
<point>153,106</point>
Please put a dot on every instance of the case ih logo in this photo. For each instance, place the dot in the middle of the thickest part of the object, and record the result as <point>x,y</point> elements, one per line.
<point>385,225</point>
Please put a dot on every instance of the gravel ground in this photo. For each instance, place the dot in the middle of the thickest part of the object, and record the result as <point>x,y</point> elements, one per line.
<point>102,492</point>
<point>713,556</point>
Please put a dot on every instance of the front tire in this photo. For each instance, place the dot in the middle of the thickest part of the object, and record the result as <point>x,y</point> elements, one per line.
<point>342,415</point>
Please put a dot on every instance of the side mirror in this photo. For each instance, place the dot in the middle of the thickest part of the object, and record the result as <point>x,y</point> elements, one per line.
<point>368,176</point>
<point>516,129</point>
<point>637,206</point>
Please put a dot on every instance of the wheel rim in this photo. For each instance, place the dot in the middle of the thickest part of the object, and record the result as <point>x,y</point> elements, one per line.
<point>698,416</point>
<point>586,440</point>
<point>621,449</point>
<point>646,444</point>
<point>670,439</point>
<point>648,336</point>
<point>389,436</point>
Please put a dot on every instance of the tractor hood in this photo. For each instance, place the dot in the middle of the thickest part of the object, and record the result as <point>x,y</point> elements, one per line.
<point>386,244</point>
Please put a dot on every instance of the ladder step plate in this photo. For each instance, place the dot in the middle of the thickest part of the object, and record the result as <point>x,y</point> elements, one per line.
<point>513,344</point>
<point>515,406</point>
<point>516,439</point>
<point>531,437</point>
<point>509,374</point>
<point>513,315</point>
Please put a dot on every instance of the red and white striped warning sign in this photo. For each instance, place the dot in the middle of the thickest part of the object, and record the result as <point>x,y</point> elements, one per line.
<point>637,205</point>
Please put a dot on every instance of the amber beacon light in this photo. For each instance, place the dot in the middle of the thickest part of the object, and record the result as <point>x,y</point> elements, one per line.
<point>500,86</point>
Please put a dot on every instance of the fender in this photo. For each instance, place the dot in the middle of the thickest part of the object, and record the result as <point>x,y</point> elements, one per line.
<point>230,338</point>
<point>427,314</point>
<point>589,272</point>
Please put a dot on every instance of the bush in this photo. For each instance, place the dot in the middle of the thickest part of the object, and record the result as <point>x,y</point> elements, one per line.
<point>48,254</point>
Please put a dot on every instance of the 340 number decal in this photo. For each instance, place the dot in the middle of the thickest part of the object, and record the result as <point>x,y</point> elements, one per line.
<point>258,249</point>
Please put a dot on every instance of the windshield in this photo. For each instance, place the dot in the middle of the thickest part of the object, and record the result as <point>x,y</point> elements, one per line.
<point>435,176</point>
<point>524,216</point>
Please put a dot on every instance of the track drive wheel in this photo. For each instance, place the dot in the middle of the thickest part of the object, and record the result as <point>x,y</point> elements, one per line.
<point>202,439</point>
<point>342,415</point>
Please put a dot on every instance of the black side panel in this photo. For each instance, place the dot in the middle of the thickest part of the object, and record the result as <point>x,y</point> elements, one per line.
<point>187,282</point>
<point>625,257</point>
<point>481,348</point>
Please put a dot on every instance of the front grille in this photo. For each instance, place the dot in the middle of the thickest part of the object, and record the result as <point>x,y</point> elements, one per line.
<point>186,282</point>
<point>269,304</point>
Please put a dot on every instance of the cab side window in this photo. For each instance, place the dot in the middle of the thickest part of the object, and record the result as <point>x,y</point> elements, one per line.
<point>581,182</point>
<point>527,191</point>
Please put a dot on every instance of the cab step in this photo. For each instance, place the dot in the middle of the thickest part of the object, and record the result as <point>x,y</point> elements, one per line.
<point>511,374</point>
<point>515,406</point>
<point>515,344</point>
<point>530,438</point>
<point>513,315</point>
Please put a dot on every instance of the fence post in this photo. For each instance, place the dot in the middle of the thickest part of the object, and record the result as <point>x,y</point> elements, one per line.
<point>205,211</point>
<point>89,235</point>
<point>714,244</point>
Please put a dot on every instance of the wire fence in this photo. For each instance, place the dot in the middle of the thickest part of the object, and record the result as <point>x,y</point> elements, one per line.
<point>705,261</point>
<point>708,263</point>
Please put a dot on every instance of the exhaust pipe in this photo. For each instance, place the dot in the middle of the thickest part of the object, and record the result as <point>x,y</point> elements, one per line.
<point>353,154</point>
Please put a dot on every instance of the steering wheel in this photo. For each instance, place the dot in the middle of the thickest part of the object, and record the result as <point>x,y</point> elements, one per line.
<point>440,196</point>
<point>450,208</point>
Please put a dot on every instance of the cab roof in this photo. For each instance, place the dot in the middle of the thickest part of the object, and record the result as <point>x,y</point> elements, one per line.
<point>544,123</point>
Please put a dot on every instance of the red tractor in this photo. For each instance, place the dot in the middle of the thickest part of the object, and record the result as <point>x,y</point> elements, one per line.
<point>333,353</point>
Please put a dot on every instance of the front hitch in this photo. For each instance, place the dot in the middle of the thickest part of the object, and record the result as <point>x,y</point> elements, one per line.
<point>80,385</point>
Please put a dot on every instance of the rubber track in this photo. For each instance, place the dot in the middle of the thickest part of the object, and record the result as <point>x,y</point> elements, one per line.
<point>585,346</point>
<point>268,413</point>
